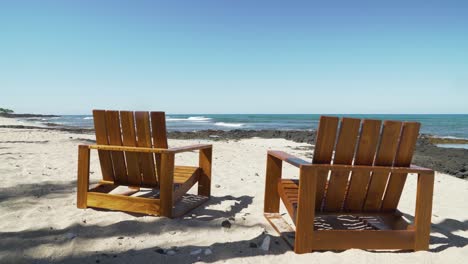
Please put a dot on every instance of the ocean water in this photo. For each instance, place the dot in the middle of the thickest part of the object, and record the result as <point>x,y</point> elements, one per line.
<point>455,126</point>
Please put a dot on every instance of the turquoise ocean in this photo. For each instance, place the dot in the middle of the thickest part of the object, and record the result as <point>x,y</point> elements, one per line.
<point>451,126</point>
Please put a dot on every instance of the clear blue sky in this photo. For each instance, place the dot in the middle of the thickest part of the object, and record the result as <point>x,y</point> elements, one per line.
<point>234,56</point>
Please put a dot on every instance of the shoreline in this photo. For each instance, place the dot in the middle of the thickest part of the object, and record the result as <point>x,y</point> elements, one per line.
<point>42,224</point>
<point>427,154</point>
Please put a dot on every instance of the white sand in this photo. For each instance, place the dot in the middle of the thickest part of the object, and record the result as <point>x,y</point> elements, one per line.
<point>40,222</point>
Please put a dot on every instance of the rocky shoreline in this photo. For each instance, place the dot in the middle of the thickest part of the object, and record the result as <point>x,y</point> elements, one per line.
<point>447,160</point>
<point>10,115</point>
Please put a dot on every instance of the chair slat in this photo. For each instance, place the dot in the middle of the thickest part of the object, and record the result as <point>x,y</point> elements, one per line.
<point>325,143</point>
<point>158,126</point>
<point>409,136</point>
<point>147,167</point>
<point>99,117</point>
<point>344,153</point>
<point>129,139</point>
<point>158,129</point>
<point>385,157</point>
<point>365,154</point>
<point>115,138</point>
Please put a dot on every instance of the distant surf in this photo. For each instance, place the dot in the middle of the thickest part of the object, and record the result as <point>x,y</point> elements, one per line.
<point>229,124</point>
<point>191,118</point>
<point>441,126</point>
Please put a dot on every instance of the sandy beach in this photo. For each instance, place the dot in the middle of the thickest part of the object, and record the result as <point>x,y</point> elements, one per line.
<point>41,224</point>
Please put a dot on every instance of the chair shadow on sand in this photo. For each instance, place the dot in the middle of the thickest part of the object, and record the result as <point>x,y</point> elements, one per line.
<point>204,217</point>
<point>442,235</point>
<point>446,228</point>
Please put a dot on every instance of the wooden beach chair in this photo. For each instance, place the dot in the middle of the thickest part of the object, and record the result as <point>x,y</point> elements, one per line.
<point>348,196</point>
<point>133,152</point>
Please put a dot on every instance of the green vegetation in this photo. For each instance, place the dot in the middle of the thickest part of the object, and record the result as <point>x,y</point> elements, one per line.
<point>6,111</point>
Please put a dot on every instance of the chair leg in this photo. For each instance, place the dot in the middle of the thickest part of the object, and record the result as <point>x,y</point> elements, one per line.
<point>166,183</point>
<point>83,176</point>
<point>273,175</point>
<point>305,211</point>
<point>204,182</point>
<point>422,219</point>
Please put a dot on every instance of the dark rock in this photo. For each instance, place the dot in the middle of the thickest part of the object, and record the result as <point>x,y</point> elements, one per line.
<point>253,245</point>
<point>10,115</point>
<point>447,160</point>
<point>160,251</point>
<point>226,224</point>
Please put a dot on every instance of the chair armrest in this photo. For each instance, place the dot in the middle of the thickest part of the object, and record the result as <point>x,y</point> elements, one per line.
<point>338,167</point>
<point>128,149</point>
<point>189,148</point>
<point>148,150</point>
<point>293,160</point>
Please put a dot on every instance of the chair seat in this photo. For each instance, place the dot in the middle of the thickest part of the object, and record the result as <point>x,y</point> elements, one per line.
<point>288,190</point>
<point>184,176</point>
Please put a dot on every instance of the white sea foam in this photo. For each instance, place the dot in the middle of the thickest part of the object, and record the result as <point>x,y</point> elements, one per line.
<point>460,146</point>
<point>449,137</point>
<point>199,118</point>
<point>229,124</point>
<point>88,118</point>
<point>190,119</point>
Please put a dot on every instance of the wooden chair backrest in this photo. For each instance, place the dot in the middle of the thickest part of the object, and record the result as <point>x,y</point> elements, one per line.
<point>133,129</point>
<point>362,142</point>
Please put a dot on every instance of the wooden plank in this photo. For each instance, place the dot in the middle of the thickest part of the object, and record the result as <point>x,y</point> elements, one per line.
<point>273,175</point>
<point>115,138</point>
<point>363,239</point>
<point>324,145</point>
<point>282,227</point>
<point>190,148</point>
<point>403,158</point>
<point>103,187</point>
<point>130,149</point>
<point>288,190</point>
<point>346,239</point>
<point>182,188</point>
<point>344,153</point>
<point>386,169</point>
<point>129,140</point>
<point>158,126</point>
<point>83,176</point>
<point>365,154</point>
<point>293,160</point>
<point>124,203</point>
<point>105,160</point>
<point>385,157</point>
<point>166,183</point>
<point>422,217</point>
<point>305,211</point>
<point>147,166</point>
<point>182,173</point>
<point>204,181</point>
<point>151,149</point>
<point>158,130</point>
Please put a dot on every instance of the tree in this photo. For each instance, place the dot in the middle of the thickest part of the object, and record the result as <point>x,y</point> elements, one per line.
<point>6,111</point>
